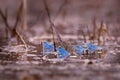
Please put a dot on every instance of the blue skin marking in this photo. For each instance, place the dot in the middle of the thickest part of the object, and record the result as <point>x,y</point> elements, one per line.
<point>79,49</point>
<point>47,47</point>
<point>62,53</point>
<point>91,47</point>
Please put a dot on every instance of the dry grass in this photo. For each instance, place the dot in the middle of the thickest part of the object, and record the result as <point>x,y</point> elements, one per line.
<point>13,33</point>
<point>53,27</point>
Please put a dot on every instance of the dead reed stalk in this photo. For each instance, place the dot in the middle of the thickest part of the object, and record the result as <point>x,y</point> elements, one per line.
<point>12,31</point>
<point>100,32</point>
<point>94,28</point>
<point>60,9</point>
<point>103,32</point>
<point>53,27</point>
<point>23,15</point>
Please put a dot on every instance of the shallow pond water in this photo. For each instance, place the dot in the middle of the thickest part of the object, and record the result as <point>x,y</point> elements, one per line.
<point>31,66</point>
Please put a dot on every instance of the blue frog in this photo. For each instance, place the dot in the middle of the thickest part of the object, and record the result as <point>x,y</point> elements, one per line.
<point>91,47</point>
<point>62,53</point>
<point>79,49</point>
<point>47,48</point>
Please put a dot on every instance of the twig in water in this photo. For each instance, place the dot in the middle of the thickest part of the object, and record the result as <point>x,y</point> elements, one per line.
<point>100,32</point>
<point>12,31</point>
<point>84,36</point>
<point>88,33</point>
<point>94,28</point>
<point>51,24</point>
<point>104,32</point>
<point>7,27</point>
<point>60,9</point>
<point>53,27</point>
<point>23,14</point>
<point>5,18</point>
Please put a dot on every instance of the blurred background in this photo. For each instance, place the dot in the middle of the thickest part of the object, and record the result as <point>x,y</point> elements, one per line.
<point>72,18</point>
<point>66,14</point>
